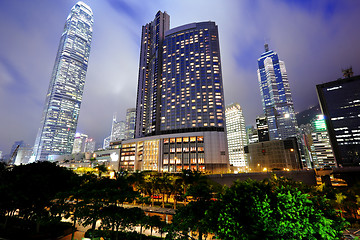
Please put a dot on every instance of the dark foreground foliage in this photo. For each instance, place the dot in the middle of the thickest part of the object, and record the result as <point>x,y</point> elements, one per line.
<point>110,235</point>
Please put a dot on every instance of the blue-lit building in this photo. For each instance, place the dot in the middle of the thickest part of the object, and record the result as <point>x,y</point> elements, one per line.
<point>180,100</point>
<point>64,96</point>
<point>340,104</point>
<point>276,96</point>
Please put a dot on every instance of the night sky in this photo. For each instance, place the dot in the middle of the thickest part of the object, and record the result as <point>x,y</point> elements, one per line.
<point>315,39</point>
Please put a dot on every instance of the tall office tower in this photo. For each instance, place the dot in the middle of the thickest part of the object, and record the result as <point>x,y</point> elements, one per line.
<point>63,100</point>
<point>340,104</point>
<point>262,128</point>
<point>322,154</point>
<point>117,130</point>
<point>150,71</point>
<point>130,123</point>
<point>79,143</point>
<point>236,135</point>
<point>276,96</point>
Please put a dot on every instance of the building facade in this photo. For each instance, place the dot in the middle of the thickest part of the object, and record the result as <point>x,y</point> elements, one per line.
<point>118,130</point>
<point>276,96</point>
<point>180,91</point>
<point>192,91</point>
<point>149,81</point>
<point>79,143</point>
<point>130,123</point>
<point>64,96</point>
<point>200,151</point>
<point>236,136</point>
<point>340,104</point>
<point>262,128</point>
<point>322,154</point>
<point>273,155</point>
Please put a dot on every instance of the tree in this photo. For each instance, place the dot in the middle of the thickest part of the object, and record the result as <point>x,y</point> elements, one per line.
<point>30,189</point>
<point>192,217</point>
<point>275,209</point>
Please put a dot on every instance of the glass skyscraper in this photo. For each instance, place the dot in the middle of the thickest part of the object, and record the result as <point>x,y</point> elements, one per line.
<point>63,99</point>
<point>276,96</point>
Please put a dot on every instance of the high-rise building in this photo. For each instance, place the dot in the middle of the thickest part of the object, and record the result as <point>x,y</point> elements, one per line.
<point>89,145</point>
<point>236,135</point>
<point>106,143</point>
<point>180,97</point>
<point>262,128</point>
<point>192,92</point>
<point>23,155</point>
<point>63,100</point>
<point>150,70</point>
<point>340,104</point>
<point>130,123</point>
<point>117,130</point>
<point>276,96</point>
<point>322,154</point>
<point>251,135</point>
<point>79,143</point>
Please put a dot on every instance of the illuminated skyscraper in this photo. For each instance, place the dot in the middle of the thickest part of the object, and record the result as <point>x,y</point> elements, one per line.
<point>79,143</point>
<point>180,100</point>
<point>276,96</point>
<point>117,130</point>
<point>236,135</point>
<point>150,69</point>
<point>63,100</point>
<point>322,154</point>
<point>192,96</point>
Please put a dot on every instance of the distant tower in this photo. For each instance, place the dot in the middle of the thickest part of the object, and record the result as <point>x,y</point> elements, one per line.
<point>79,143</point>
<point>90,145</point>
<point>130,123</point>
<point>117,130</point>
<point>236,135</point>
<point>63,100</point>
<point>276,96</point>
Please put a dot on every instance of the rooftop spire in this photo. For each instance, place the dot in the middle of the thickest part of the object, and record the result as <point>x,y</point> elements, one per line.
<point>266,47</point>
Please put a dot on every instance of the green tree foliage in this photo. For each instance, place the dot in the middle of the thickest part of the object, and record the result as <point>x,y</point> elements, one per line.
<point>275,209</point>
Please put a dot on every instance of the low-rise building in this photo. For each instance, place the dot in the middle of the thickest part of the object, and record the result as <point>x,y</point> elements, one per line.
<point>273,155</point>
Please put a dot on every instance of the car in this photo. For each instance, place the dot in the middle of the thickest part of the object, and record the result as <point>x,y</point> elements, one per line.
<point>156,197</point>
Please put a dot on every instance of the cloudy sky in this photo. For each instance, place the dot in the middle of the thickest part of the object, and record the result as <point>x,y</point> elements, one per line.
<point>316,39</point>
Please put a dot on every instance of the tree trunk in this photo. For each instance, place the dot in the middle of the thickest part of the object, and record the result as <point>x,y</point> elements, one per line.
<point>37,227</point>
<point>73,229</point>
